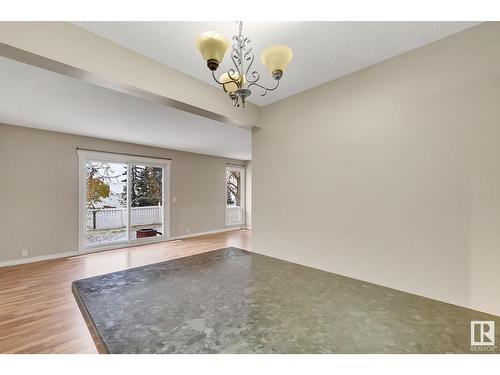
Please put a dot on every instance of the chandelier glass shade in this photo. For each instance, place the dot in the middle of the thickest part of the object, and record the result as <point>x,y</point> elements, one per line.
<point>232,83</point>
<point>276,57</point>
<point>212,46</point>
<point>238,82</point>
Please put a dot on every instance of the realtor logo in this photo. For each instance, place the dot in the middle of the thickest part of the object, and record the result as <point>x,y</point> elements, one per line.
<point>482,333</point>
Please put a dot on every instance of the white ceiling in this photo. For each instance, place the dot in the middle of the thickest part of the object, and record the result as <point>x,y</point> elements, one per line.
<point>323,51</point>
<point>38,98</point>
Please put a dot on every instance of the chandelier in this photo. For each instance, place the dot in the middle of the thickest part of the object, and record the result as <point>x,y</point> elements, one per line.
<point>238,82</point>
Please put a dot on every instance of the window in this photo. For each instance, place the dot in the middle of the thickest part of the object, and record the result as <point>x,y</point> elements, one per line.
<point>235,195</point>
<point>233,185</point>
<point>122,200</point>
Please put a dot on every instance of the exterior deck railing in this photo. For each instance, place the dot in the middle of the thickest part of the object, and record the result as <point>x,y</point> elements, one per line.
<point>110,218</point>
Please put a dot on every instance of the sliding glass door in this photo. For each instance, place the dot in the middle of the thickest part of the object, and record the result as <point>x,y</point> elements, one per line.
<point>146,201</point>
<point>105,203</point>
<point>122,200</point>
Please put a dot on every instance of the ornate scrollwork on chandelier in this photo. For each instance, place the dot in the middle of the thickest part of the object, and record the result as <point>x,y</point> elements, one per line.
<point>239,81</point>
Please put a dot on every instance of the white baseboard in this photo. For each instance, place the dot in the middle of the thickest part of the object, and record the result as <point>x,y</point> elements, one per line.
<point>15,262</point>
<point>40,258</point>
<point>230,229</point>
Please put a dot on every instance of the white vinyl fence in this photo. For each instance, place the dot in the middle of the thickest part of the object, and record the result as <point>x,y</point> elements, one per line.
<point>109,218</point>
<point>234,215</point>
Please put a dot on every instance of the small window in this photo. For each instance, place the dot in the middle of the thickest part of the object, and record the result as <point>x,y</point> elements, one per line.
<point>235,195</point>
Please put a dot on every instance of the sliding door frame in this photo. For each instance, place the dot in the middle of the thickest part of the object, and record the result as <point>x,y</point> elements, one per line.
<point>83,157</point>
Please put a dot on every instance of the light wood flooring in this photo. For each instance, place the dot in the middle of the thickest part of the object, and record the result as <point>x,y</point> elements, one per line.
<point>38,313</point>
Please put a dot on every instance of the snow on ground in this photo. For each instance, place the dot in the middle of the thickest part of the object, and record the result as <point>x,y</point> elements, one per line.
<point>109,236</point>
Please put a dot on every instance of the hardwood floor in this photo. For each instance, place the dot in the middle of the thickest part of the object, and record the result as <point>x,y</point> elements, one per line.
<point>38,313</point>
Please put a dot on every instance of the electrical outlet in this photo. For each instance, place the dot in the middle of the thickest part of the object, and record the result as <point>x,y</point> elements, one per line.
<point>174,199</point>
<point>188,230</point>
<point>24,252</point>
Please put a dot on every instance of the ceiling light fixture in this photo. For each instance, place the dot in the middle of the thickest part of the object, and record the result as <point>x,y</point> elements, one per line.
<point>237,83</point>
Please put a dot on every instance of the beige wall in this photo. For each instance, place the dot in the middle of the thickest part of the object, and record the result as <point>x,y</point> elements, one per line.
<point>391,174</point>
<point>248,195</point>
<point>39,189</point>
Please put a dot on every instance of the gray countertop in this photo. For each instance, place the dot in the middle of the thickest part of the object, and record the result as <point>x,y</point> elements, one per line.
<point>234,301</point>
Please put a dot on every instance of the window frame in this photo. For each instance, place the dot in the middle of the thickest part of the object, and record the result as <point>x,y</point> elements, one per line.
<point>242,169</point>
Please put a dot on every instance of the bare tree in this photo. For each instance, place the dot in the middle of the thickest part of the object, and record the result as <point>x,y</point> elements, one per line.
<point>233,183</point>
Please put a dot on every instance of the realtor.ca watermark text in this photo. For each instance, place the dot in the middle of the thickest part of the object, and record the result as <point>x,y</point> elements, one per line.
<point>482,336</point>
